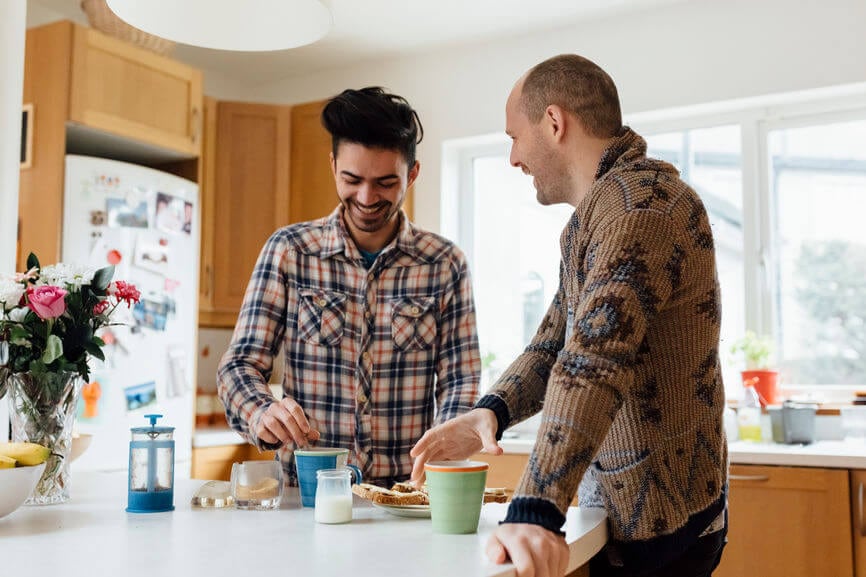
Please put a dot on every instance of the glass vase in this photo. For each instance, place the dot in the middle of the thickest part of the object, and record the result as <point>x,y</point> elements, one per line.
<point>42,407</point>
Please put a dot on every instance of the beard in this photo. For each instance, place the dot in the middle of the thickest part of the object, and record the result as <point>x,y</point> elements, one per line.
<point>371,218</point>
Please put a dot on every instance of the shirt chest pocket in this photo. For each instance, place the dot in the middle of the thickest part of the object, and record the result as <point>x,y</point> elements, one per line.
<point>413,323</point>
<point>321,316</point>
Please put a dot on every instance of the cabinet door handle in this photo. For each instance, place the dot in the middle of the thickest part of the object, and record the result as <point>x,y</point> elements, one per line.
<point>208,279</point>
<point>860,510</point>
<point>196,125</point>
<point>749,477</point>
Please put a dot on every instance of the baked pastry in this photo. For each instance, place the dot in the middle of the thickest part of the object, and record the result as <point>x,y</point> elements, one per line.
<point>389,497</point>
<point>406,488</point>
<point>406,494</point>
<point>495,495</point>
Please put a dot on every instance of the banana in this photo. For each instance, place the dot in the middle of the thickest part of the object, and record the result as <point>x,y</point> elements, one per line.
<point>6,462</point>
<point>25,453</point>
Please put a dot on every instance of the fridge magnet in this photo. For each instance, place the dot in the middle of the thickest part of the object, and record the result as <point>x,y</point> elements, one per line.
<point>169,212</point>
<point>152,313</point>
<point>177,381</point>
<point>187,217</point>
<point>121,214</point>
<point>151,256</point>
<point>97,217</point>
<point>91,393</point>
<point>170,285</point>
<point>140,396</point>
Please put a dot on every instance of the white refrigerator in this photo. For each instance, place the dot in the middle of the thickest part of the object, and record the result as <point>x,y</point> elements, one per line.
<point>146,223</point>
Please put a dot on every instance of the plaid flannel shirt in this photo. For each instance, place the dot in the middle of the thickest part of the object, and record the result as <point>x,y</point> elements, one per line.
<point>369,353</point>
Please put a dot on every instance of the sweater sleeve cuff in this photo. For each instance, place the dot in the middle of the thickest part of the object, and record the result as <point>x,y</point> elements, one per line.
<point>499,408</point>
<point>536,512</point>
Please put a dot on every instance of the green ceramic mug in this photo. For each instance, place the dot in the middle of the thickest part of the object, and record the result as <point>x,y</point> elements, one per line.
<point>456,491</point>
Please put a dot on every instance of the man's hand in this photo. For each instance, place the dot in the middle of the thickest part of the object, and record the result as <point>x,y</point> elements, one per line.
<point>285,421</point>
<point>458,438</point>
<point>535,551</point>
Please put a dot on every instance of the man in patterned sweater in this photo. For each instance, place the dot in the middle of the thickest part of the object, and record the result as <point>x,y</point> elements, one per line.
<point>625,365</point>
<point>374,316</point>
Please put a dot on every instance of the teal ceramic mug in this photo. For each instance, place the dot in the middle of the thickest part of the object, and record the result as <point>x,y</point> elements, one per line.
<point>309,461</point>
<point>456,492</point>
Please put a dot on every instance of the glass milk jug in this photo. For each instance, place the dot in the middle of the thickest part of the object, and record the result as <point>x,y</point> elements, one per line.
<point>333,495</point>
<point>151,468</point>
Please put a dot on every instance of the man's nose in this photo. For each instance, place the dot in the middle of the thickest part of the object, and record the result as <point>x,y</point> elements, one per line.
<point>365,194</point>
<point>512,158</point>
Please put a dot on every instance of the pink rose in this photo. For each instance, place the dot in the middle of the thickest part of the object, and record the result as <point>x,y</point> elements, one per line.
<point>46,301</point>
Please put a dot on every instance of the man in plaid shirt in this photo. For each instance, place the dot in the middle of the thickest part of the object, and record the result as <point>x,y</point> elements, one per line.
<point>375,316</point>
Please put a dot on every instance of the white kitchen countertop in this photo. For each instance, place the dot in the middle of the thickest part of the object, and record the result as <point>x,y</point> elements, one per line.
<point>832,454</point>
<point>92,534</point>
<point>215,436</point>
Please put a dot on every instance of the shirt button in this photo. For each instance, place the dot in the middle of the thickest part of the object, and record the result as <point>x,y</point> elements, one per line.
<point>368,314</point>
<point>370,277</point>
<point>366,356</point>
<point>415,310</point>
<point>322,302</point>
<point>362,398</point>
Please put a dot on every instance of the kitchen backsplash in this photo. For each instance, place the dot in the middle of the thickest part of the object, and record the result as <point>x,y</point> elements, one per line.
<point>212,343</point>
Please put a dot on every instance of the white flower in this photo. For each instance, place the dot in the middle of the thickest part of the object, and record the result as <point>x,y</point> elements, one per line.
<point>10,292</point>
<point>17,315</point>
<point>73,275</point>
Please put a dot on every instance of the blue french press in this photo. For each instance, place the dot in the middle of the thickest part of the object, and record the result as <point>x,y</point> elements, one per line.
<point>151,468</point>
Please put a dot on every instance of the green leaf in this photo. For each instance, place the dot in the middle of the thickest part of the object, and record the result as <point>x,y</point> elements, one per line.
<point>94,349</point>
<point>98,341</point>
<point>32,261</point>
<point>19,335</point>
<point>53,349</point>
<point>102,278</point>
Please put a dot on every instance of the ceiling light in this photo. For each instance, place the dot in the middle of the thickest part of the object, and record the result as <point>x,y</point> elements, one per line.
<point>253,25</point>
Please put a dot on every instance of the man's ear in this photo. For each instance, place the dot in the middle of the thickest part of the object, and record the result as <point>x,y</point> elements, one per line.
<point>413,173</point>
<point>333,162</point>
<point>555,120</point>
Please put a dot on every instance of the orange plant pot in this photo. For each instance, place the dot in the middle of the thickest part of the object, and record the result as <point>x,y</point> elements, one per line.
<point>765,383</point>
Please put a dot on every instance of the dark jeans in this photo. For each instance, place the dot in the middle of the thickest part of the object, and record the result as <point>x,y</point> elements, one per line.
<point>699,560</point>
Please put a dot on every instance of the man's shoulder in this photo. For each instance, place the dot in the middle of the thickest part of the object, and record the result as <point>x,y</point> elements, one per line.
<point>304,237</point>
<point>644,186</point>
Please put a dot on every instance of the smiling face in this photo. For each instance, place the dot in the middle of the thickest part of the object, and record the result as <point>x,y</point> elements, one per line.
<point>371,184</point>
<point>533,152</point>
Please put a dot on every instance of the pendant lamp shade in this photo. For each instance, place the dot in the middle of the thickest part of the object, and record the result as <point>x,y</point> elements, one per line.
<point>245,25</point>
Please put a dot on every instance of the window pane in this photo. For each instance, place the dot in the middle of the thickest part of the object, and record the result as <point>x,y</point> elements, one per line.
<point>516,260</point>
<point>818,175</point>
<point>710,160</point>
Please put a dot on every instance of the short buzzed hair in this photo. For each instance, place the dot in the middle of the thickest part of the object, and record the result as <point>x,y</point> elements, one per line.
<point>577,85</point>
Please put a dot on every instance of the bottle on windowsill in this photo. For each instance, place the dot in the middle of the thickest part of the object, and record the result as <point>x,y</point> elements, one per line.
<point>749,415</point>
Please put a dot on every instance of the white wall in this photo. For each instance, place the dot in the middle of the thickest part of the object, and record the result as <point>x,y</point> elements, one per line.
<point>695,52</point>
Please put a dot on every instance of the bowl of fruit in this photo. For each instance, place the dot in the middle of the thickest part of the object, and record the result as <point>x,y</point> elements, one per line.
<point>21,466</point>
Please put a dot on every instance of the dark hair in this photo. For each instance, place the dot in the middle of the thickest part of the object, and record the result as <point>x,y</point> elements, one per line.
<point>373,118</point>
<point>579,86</point>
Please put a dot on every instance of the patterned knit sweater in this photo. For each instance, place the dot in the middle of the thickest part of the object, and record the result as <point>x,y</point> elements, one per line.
<point>625,366</point>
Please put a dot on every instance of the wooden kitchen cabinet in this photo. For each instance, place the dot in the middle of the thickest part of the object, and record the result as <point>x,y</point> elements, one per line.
<point>505,470</point>
<point>788,522</point>
<point>858,520</point>
<point>215,463</point>
<point>132,92</point>
<point>245,198</point>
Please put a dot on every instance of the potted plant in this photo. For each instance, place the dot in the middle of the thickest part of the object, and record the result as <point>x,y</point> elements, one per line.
<point>756,351</point>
